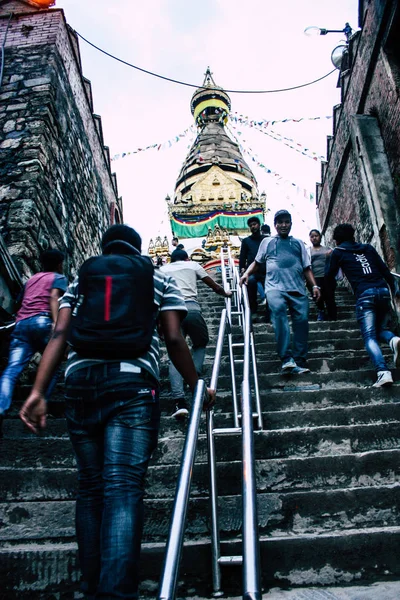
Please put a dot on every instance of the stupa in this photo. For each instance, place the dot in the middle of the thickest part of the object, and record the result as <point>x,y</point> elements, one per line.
<point>216,191</point>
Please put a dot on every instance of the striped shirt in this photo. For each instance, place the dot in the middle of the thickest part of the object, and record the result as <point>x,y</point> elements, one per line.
<point>166,297</point>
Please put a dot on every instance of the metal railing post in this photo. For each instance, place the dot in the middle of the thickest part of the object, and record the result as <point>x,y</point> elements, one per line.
<point>251,547</point>
<point>215,543</point>
<point>169,577</point>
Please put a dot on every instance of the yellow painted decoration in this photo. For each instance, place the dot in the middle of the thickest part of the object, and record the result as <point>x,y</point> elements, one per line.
<point>213,102</point>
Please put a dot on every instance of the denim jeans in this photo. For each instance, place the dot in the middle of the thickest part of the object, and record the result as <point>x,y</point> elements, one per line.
<point>29,336</point>
<point>195,327</point>
<point>113,421</point>
<point>373,314</point>
<point>327,298</point>
<point>252,288</point>
<point>297,304</point>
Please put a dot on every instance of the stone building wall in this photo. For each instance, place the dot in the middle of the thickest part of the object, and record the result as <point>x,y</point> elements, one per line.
<point>370,87</point>
<point>56,185</point>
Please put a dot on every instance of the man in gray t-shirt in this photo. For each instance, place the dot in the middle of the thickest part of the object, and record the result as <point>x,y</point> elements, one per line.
<point>288,267</point>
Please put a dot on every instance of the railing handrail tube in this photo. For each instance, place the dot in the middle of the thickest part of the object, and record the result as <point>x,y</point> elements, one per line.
<point>169,577</point>
<point>251,547</point>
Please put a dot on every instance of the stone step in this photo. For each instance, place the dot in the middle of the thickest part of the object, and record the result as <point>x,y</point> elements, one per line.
<point>379,467</point>
<point>312,409</point>
<point>293,513</point>
<point>351,556</point>
<point>274,382</point>
<point>317,391</point>
<point>280,443</point>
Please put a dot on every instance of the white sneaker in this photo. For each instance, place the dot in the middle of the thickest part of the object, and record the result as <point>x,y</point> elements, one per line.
<point>395,347</point>
<point>263,302</point>
<point>384,379</point>
<point>288,365</point>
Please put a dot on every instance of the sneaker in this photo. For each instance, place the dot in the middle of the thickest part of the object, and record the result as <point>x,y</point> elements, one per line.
<point>300,370</point>
<point>288,365</point>
<point>384,379</point>
<point>395,347</point>
<point>181,410</point>
<point>263,302</point>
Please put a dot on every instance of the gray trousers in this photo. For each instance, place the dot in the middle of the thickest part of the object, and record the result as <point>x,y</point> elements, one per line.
<point>195,327</point>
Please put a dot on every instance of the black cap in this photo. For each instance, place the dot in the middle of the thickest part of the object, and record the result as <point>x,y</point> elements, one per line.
<point>282,213</point>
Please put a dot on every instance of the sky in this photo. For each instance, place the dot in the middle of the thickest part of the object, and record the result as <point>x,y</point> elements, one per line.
<point>257,45</point>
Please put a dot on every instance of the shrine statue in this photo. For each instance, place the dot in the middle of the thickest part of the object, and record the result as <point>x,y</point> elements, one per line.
<point>210,236</point>
<point>158,244</point>
<point>165,243</point>
<point>225,234</point>
<point>217,234</point>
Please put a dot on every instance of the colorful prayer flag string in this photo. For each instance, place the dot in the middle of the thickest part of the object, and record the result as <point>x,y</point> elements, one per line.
<point>192,129</point>
<point>280,138</point>
<point>279,179</point>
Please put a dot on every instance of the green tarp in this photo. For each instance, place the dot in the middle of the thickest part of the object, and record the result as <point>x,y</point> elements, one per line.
<point>200,229</point>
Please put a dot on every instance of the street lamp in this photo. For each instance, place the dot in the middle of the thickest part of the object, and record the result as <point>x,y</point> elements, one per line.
<point>313,30</point>
<point>340,51</point>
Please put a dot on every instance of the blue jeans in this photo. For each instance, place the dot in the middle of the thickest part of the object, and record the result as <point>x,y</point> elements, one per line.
<point>195,327</point>
<point>113,420</point>
<point>29,336</point>
<point>297,304</point>
<point>373,314</point>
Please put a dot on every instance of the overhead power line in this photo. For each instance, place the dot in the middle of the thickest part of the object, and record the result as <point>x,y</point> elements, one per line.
<point>124,62</point>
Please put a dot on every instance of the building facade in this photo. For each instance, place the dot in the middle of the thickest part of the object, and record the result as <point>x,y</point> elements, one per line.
<point>360,181</point>
<point>56,186</point>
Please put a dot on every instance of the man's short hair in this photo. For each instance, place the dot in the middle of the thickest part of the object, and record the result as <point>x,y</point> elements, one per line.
<point>253,220</point>
<point>265,229</point>
<point>175,239</point>
<point>121,239</point>
<point>282,213</point>
<point>179,255</point>
<point>343,233</point>
<point>51,259</point>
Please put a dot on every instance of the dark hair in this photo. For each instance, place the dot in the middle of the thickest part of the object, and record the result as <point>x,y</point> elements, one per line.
<point>180,247</point>
<point>179,255</point>
<point>282,213</point>
<point>316,231</point>
<point>265,228</point>
<point>121,239</point>
<point>343,233</point>
<point>253,220</point>
<point>51,259</point>
<point>175,238</point>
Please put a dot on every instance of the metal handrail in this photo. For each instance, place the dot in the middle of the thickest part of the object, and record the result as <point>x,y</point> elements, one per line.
<point>169,577</point>
<point>251,555</point>
<point>251,545</point>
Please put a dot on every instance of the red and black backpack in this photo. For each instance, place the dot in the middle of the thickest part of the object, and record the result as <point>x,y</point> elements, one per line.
<point>115,314</point>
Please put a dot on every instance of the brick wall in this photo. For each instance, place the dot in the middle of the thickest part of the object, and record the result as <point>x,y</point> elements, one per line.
<point>370,88</point>
<point>56,186</point>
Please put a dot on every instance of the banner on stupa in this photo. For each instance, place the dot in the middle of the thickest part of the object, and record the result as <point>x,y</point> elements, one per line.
<point>198,226</point>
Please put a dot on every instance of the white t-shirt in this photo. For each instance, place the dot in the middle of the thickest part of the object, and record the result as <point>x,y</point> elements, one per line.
<point>186,273</point>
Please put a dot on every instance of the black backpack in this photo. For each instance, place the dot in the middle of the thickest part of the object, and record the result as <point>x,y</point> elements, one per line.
<point>115,314</point>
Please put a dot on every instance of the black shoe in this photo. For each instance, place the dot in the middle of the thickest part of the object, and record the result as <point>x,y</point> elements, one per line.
<point>181,410</point>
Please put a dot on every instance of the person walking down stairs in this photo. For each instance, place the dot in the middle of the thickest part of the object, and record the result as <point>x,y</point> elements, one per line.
<point>370,279</point>
<point>186,273</point>
<point>319,255</point>
<point>288,267</point>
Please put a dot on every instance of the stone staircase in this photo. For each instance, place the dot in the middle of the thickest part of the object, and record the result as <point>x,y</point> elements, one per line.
<point>327,474</point>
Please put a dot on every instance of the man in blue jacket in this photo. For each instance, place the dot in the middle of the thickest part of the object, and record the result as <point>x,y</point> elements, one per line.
<point>372,283</point>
